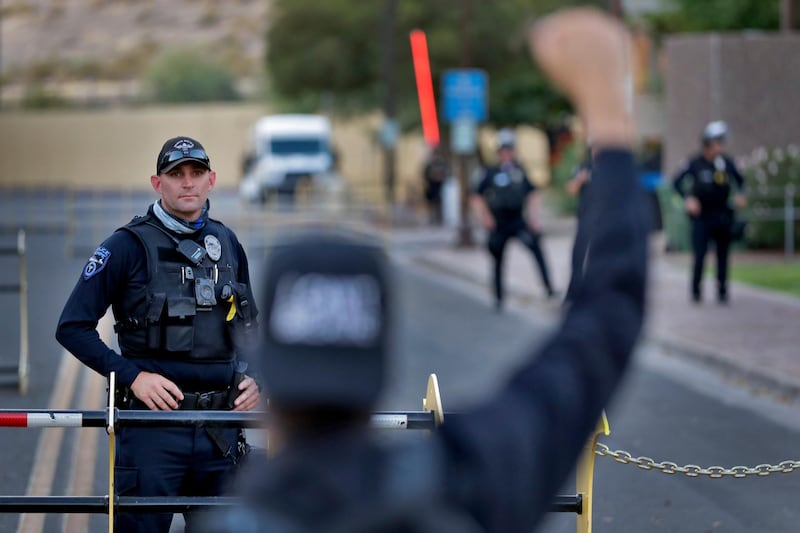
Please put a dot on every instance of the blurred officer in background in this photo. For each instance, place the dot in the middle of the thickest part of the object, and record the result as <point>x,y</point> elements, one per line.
<point>507,205</point>
<point>495,468</point>
<point>435,173</point>
<point>705,185</point>
<point>178,284</point>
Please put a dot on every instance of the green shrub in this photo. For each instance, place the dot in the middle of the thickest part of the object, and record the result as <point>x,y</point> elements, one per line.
<point>768,173</point>
<point>38,97</point>
<point>676,222</point>
<point>189,76</point>
<point>561,173</point>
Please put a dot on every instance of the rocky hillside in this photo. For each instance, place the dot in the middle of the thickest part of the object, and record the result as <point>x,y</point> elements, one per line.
<point>46,41</point>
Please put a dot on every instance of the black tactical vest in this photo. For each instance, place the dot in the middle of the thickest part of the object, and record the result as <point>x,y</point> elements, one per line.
<point>710,185</point>
<point>186,310</point>
<point>506,191</point>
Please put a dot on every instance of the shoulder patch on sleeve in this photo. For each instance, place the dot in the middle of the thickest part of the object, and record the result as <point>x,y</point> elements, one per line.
<point>96,263</point>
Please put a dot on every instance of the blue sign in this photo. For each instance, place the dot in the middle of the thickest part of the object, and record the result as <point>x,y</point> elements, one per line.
<point>464,92</point>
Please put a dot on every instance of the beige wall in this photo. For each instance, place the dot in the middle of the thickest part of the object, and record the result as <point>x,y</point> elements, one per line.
<point>752,81</point>
<point>114,149</point>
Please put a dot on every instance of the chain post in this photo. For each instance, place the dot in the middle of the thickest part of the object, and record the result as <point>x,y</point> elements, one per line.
<point>584,482</point>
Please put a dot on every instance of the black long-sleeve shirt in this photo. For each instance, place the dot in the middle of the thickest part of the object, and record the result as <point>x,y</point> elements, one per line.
<point>500,464</point>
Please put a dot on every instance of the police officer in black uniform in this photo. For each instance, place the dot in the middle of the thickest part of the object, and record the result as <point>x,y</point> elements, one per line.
<point>705,184</point>
<point>506,203</point>
<point>178,284</point>
<point>495,468</point>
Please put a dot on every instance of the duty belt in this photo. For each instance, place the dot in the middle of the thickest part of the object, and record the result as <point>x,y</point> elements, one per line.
<point>203,401</point>
<point>192,401</point>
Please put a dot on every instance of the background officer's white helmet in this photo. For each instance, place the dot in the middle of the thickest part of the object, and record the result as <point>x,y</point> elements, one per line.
<point>715,130</point>
<point>505,138</point>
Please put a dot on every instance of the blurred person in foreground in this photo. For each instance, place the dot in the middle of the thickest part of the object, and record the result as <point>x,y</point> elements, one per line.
<point>496,467</point>
<point>179,286</point>
<point>709,177</point>
<point>507,205</point>
<point>578,187</point>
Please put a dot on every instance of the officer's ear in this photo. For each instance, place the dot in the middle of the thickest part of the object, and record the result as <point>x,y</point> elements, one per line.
<point>212,179</point>
<point>155,182</point>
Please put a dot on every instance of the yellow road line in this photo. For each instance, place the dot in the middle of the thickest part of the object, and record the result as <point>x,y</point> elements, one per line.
<point>84,456</point>
<point>47,451</point>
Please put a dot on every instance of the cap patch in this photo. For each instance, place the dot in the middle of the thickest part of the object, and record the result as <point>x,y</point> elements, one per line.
<point>96,263</point>
<point>323,309</point>
<point>184,145</point>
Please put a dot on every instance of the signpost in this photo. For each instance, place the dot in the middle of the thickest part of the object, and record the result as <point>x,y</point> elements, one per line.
<point>464,94</point>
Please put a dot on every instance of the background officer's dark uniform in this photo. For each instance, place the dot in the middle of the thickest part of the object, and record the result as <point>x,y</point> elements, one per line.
<point>712,188</point>
<point>162,329</point>
<point>505,189</point>
<point>496,467</point>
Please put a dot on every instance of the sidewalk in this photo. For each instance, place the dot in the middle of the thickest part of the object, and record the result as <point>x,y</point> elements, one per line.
<point>755,337</point>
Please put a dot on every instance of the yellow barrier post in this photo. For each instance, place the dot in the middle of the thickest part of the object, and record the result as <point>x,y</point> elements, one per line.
<point>22,369</point>
<point>584,481</point>
<point>110,429</point>
<point>433,400</point>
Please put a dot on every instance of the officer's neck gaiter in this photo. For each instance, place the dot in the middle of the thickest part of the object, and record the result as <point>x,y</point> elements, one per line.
<point>178,225</point>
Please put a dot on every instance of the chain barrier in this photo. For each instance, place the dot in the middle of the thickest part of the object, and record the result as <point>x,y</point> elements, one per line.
<point>714,472</point>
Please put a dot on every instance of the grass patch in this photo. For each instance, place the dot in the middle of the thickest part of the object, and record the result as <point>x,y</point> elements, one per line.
<point>780,276</point>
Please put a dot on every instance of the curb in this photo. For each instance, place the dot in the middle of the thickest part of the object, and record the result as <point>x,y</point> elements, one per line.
<point>755,377</point>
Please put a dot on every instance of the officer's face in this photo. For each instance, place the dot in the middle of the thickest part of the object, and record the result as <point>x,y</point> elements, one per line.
<point>714,148</point>
<point>184,189</point>
<point>505,154</point>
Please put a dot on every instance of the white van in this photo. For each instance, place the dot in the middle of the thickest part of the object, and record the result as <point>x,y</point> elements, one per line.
<point>283,151</point>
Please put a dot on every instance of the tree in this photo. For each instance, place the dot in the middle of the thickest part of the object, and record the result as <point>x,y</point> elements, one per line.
<point>189,76</point>
<point>331,50</point>
<point>717,15</point>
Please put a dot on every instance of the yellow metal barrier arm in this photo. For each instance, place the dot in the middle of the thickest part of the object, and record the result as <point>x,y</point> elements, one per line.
<point>433,400</point>
<point>110,422</point>
<point>585,475</point>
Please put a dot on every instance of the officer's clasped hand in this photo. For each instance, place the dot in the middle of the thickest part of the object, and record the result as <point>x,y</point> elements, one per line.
<point>156,392</point>
<point>692,205</point>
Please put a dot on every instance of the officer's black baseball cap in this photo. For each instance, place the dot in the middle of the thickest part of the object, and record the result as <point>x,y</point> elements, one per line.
<point>326,325</point>
<point>179,150</point>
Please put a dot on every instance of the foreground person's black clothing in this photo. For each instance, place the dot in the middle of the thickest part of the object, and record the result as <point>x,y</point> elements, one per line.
<point>497,467</point>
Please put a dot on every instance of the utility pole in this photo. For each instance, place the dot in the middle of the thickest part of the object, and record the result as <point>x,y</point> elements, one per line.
<point>389,133</point>
<point>465,238</point>
<point>788,15</point>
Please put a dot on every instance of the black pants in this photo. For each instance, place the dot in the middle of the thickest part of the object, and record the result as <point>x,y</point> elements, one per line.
<point>716,227</point>
<point>179,461</point>
<point>497,245</point>
<point>433,197</point>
